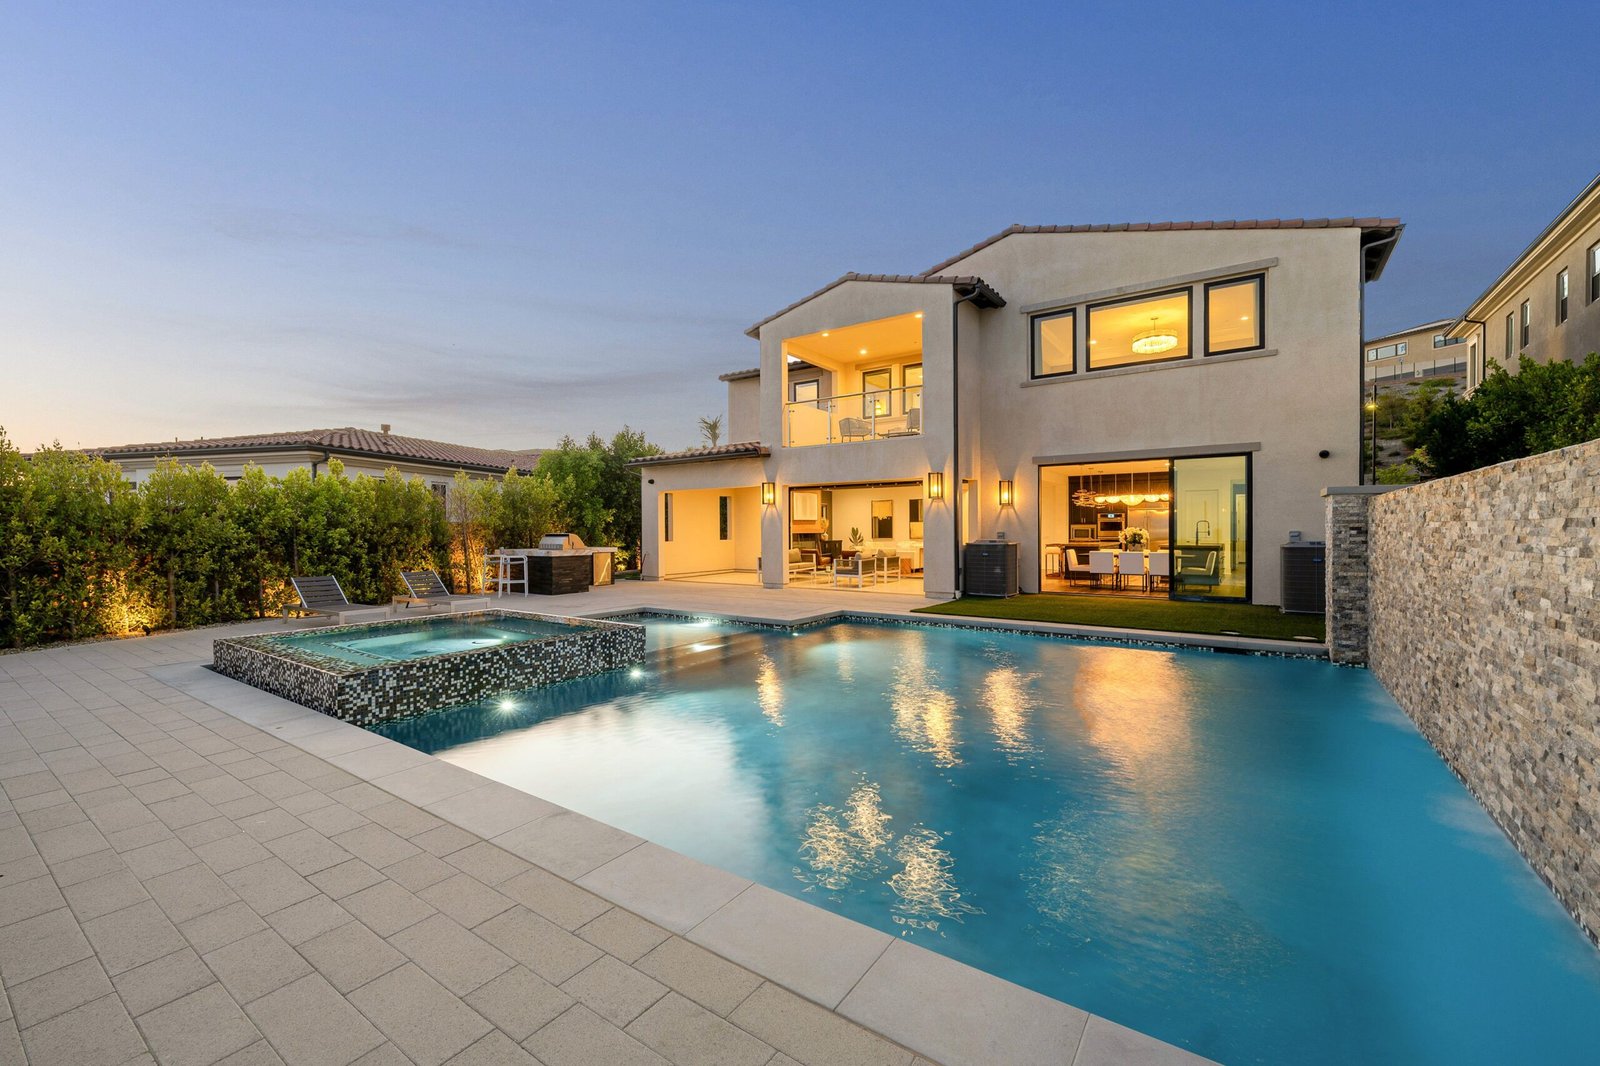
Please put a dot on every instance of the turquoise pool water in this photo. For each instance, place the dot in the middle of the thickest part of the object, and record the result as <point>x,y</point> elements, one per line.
<point>419,638</point>
<point>1257,859</point>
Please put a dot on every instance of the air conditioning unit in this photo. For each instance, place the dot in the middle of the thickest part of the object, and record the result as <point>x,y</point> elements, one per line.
<point>991,568</point>
<point>1302,581</point>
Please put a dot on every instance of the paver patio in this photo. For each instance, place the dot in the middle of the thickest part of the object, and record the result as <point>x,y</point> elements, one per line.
<point>180,886</point>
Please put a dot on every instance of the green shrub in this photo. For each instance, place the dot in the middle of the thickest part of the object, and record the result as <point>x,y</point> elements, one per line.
<point>1543,406</point>
<point>84,553</point>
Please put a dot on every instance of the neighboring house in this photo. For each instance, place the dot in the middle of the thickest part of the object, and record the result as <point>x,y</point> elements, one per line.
<point>1421,353</point>
<point>1051,385</point>
<point>362,451</point>
<point>1546,304</point>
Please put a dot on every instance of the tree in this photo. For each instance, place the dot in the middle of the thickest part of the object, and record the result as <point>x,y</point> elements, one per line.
<point>711,430</point>
<point>1541,407</point>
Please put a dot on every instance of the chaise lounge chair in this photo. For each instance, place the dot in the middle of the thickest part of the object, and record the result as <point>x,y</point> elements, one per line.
<point>426,590</point>
<point>322,595</point>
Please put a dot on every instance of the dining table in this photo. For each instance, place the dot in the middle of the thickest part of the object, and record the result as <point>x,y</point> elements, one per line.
<point>1122,570</point>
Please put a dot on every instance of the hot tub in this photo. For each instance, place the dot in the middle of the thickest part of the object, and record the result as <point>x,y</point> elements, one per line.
<point>386,670</point>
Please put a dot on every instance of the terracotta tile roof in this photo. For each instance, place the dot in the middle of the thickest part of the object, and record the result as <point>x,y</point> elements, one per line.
<point>755,371</point>
<point>1373,269</point>
<point>695,455</point>
<point>988,297</point>
<point>347,440</point>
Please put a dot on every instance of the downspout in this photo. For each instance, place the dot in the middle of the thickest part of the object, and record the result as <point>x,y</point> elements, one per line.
<point>955,429</point>
<point>1361,361</point>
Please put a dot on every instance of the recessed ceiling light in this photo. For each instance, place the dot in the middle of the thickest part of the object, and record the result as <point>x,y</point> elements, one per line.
<point>1244,318</point>
<point>863,351</point>
<point>919,314</point>
<point>824,333</point>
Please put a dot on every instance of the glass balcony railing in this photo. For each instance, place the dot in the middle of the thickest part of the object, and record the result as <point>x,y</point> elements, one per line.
<point>856,416</point>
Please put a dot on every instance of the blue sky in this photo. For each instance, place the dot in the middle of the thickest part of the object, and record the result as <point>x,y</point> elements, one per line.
<point>499,223</point>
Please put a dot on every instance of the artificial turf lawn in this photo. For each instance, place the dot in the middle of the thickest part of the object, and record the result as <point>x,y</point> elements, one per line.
<point>1176,616</point>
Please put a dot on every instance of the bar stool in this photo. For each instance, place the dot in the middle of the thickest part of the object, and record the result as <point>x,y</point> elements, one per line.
<point>506,572</point>
<point>1052,561</point>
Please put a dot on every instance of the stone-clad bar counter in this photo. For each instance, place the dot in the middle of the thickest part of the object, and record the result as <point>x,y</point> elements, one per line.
<point>365,693</point>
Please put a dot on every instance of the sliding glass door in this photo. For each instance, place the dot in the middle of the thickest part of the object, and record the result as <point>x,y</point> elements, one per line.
<point>1211,528</point>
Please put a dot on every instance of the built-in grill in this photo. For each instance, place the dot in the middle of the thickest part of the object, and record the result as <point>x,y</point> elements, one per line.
<point>562,563</point>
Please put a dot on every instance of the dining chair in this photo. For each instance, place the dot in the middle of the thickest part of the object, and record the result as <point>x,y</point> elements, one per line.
<point>1103,564</point>
<point>1160,569</point>
<point>1077,565</point>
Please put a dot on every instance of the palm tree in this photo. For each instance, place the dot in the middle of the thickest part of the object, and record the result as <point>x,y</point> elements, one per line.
<point>711,430</point>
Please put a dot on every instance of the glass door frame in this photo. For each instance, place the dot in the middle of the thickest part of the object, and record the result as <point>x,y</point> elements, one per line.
<point>1172,529</point>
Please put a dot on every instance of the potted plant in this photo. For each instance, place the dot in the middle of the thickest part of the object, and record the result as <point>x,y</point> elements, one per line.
<point>1134,538</point>
<point>856,539</point>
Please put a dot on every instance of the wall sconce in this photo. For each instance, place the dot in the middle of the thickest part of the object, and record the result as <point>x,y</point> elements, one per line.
<point>769,494</point>
<point>935,485</point>
<point>1005,493</point>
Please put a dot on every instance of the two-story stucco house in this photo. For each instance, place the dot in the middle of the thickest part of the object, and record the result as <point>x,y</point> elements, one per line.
<point>1057,386</point>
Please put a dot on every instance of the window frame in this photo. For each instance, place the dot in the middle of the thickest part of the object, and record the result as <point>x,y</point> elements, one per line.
<point>1563,291</point>
<point>1035,322</point>
<point>1594,272</point>
<point>1187,292</point>
<point>666,517</point>
<point>724,517</point>
<point>1511,335</point>
<point>1260,281</point>
<point>869,404</point>
<point>906,406</point>
<point>1525,322</point>
<point>794,390</point>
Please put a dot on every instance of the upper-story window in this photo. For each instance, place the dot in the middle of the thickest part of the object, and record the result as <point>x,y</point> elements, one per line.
<point>805,391</point>
<point>1527,317</point>
<point>911,397</point>
<point>1594,273</point>
<point>1148,329</point>
<point>876,397</point>
<point>1444,340</point>
<point>1234,315</point>
<point>1561,296</point>
<point>1387,351</point>
<point>1511,335</point>
<point>1055,344</point>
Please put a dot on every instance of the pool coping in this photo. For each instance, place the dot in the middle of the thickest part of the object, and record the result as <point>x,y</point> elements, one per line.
<point>1150,638</point>
<point>934,1006</point>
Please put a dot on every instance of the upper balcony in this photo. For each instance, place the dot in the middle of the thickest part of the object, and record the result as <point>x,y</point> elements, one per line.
<point>876,414</point>
<point>853,383</point>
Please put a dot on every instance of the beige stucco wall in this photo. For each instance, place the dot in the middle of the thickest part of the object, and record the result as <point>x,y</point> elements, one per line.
<point>1571,340</point>
<point>1299,396</point>
<point>744,410</point>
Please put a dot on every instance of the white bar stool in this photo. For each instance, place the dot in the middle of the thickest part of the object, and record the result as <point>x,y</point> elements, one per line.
<point>507,572</point>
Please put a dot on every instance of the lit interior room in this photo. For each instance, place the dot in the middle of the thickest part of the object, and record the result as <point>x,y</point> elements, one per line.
<point>831,524</point>
<point>854,383</point>
<point>1177,527</point>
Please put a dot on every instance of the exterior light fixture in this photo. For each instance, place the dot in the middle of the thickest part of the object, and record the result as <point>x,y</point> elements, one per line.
<point>935,485</point>
<point>824,333</point>
<point>1006,489</point>
<point>769,494</point>
<point>1154,341</point>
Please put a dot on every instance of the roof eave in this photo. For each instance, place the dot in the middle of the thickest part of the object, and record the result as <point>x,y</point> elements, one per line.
<point>332,452</point>
<point>1476,307</point>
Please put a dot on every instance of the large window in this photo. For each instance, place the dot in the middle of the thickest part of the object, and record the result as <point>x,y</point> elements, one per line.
<point>1055,344</point>
<point>1527,317</point>
<point>911,377</point>
<point>1211,527</point>
<point>1561,296</point>
<point>1234,315</point>
<point>875,391</point>
<point>1151,329</point>
<point>1388,351</point>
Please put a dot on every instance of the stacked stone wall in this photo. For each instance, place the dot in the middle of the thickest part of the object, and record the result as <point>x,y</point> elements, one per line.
<point>1484,625</point>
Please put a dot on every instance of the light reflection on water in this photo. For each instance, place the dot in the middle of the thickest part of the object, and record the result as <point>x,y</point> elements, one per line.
<point>1251,857</point>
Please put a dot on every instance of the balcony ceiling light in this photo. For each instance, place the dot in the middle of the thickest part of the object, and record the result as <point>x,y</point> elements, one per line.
<point>863,351</point>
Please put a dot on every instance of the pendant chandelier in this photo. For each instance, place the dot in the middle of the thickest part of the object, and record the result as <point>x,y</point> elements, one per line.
<point>1098,497</point>
<point>1154,340</point>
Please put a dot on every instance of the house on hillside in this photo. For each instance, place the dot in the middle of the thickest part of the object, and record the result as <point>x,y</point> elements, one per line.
<point>1546,304</point>
<point>362,451</point>
<point>1411,356</point>
<point>1061,387</point>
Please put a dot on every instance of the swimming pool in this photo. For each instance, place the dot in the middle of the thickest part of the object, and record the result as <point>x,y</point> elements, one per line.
<point>1259,859</point>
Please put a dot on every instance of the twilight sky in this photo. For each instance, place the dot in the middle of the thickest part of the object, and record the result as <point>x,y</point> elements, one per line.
<point>496,223</point>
